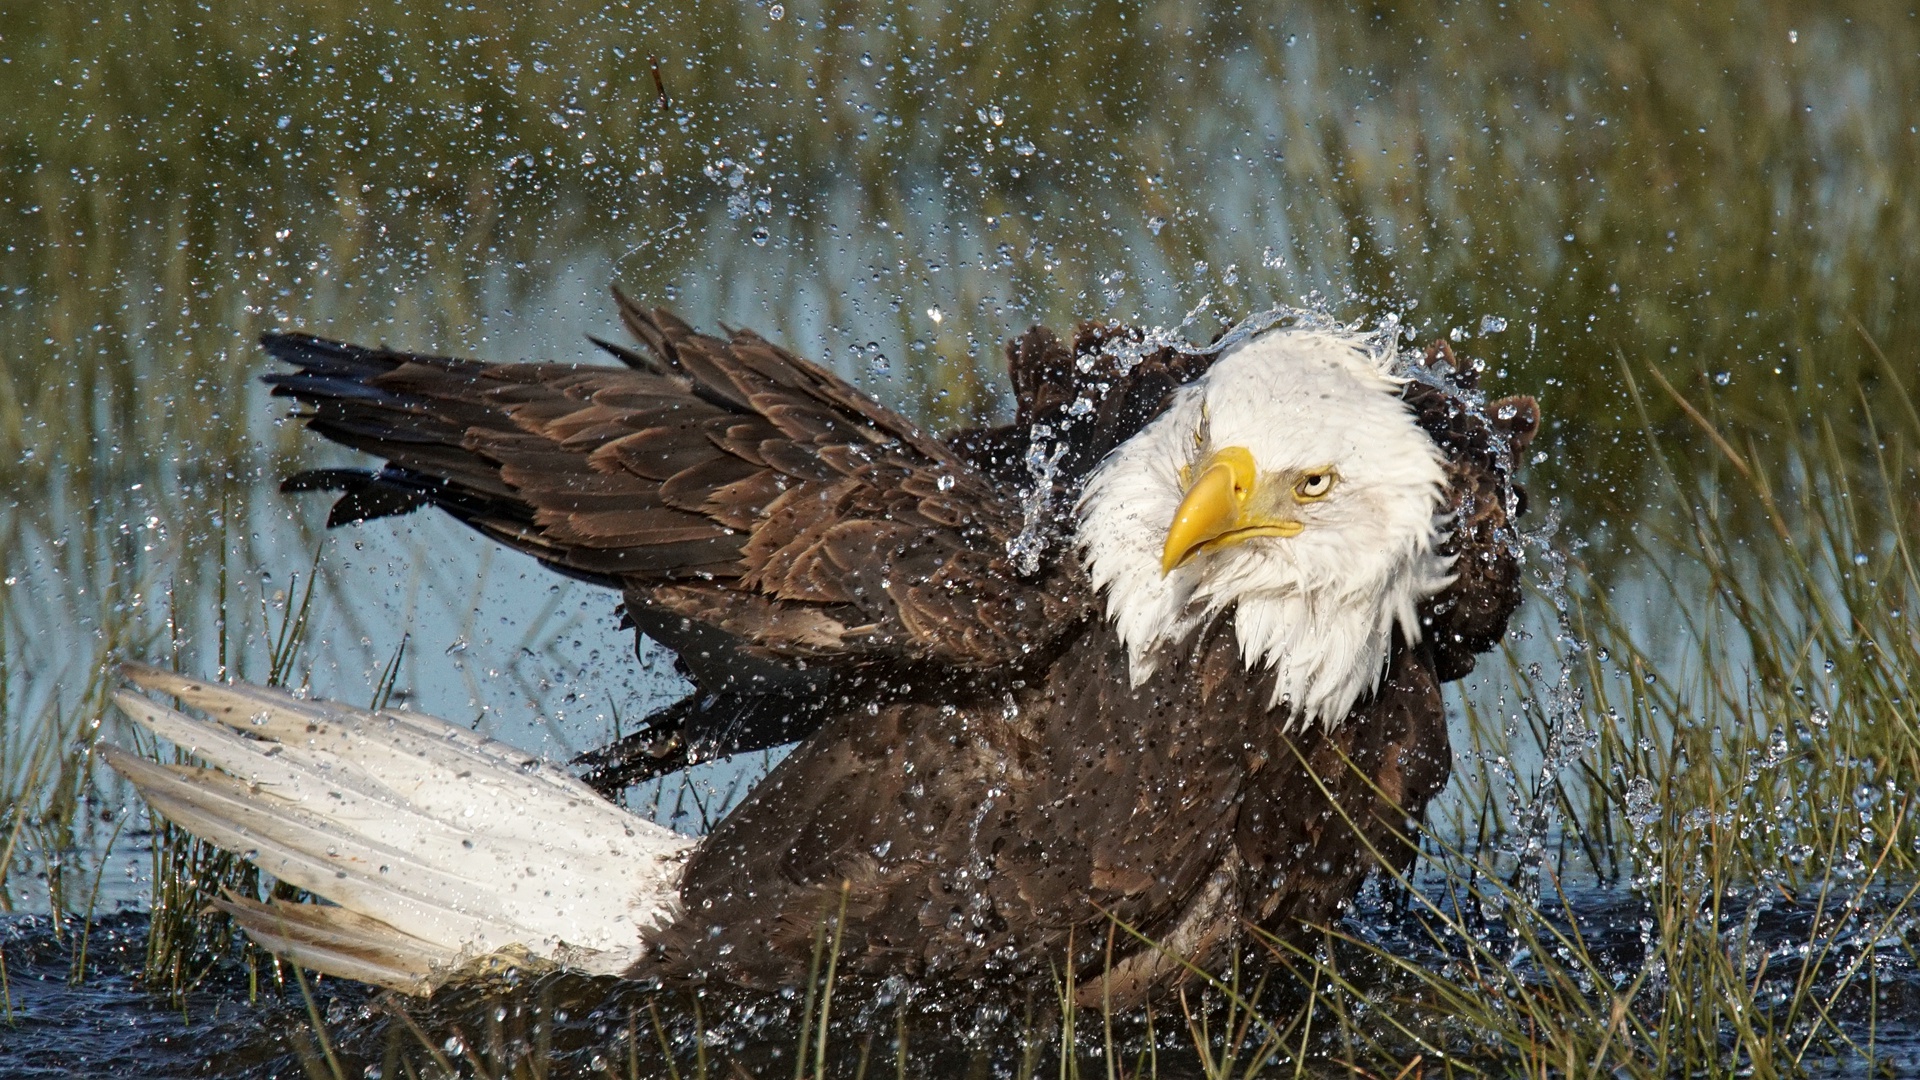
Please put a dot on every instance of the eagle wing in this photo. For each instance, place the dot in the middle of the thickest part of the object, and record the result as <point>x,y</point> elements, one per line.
<point>1481,441</point>
<point>751,505</point>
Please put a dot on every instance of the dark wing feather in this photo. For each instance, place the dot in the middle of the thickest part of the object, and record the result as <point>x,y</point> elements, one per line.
<point>1481,441</point>
<point>1087,396</point>
<point>723,480</point>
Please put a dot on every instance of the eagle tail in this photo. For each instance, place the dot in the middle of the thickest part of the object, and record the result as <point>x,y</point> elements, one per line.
<point>329,938</point>
<point>442,854</point>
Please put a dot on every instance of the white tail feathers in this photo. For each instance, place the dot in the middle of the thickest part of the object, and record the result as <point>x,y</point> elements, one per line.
<point>442,849</point>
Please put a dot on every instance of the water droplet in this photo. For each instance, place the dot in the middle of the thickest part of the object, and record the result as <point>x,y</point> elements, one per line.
<point>759,235</point>
<point>945,483</point>
<point>934,314</point>
<point>866,59</point>
<point>1722,378</point>
<point>1859,558</point>
<point>995,115</point>
<point>777,12</point>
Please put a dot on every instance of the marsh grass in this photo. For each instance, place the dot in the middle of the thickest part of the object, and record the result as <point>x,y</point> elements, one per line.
<point>182,182</point>
<point>1681,818</point>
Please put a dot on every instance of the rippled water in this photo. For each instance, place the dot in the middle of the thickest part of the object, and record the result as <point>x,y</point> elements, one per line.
<point>105,1024</point>
<point>1568,192</point>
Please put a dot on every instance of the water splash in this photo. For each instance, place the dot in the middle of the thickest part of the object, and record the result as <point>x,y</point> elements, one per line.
<point>1036,505</point>
<point>1046,444</point>
<point>1569,734</point>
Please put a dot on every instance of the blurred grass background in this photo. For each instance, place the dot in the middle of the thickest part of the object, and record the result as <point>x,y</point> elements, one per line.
<point>1692,230</point>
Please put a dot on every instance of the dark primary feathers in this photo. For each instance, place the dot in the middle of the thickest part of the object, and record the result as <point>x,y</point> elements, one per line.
<point>758,513</point>
<point>725,481</point>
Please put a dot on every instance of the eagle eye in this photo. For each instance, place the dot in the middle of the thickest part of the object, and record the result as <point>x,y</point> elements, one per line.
<point>1314,485</point>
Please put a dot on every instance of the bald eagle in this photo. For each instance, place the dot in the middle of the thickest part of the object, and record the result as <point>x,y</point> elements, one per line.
<point>1164,652</point>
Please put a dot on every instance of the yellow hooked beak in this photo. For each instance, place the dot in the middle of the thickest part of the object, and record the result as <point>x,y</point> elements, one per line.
<point>1223,506</point>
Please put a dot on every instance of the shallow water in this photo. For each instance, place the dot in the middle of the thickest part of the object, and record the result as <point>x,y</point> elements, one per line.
<point>1566,191</point>
<point>106,1024</point>
<point>109,1025</point>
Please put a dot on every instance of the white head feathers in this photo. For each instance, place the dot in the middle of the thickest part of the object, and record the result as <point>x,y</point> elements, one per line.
<point>1319,607</point>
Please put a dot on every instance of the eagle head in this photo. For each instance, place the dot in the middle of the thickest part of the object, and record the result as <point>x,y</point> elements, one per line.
<point>1288,489</point>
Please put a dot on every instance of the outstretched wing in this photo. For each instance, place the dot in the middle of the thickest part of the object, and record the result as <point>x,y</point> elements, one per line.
<point>747,501</point>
